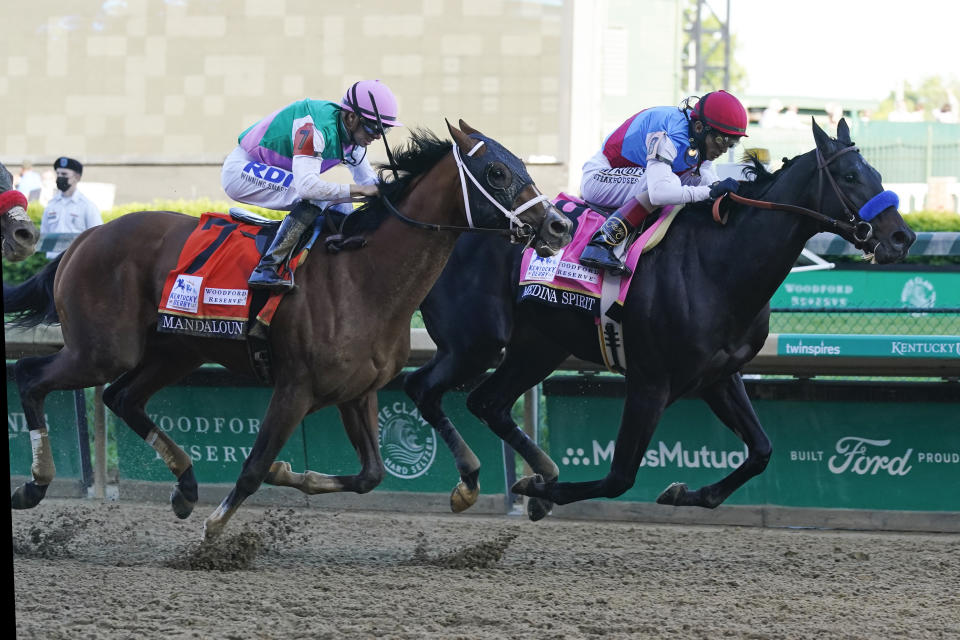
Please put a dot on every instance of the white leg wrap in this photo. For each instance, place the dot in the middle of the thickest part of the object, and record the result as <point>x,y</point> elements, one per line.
<point>42,469</point>
<point>173,456</point>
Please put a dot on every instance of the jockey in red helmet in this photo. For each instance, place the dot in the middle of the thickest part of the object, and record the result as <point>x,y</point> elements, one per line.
<point>659,156</point>
<point>279,161</point>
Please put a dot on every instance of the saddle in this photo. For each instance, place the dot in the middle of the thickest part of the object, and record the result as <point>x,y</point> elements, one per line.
<point>329,222</point>
<point>562,282</point>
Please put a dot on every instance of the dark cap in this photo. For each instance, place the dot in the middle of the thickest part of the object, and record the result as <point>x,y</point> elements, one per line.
<point>68,163</point>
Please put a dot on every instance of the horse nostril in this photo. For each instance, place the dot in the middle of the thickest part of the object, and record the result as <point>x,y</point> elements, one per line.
<point>902,239</point>
<point>560,227</point>
<point>25,236</point>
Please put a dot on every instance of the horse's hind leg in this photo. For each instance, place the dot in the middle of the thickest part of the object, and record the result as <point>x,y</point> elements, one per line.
<point>360,421</point>
<point>127,397</point>
<point>729,401</point>
<point>36,378</point>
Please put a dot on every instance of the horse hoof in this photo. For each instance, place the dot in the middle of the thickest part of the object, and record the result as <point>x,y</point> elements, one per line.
<point>525,486</point>
<point>212,529</point>
<point>182,507</point>
<point>538,509</point>
<point>28,495</point>
<point>673,494</point>
<point>185,495</point>
<point>462,497</point>
<point>277,471</point>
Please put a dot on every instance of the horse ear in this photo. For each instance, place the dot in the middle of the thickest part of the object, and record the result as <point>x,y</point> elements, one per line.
<point>843,132</point>
<point>820,136</point>
<point>467,129</point>
<point>463,141</point>
<point>6,179</point>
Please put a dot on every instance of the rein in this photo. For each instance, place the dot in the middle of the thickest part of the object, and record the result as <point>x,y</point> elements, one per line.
<point>518,231</point>
<point>860,230</point>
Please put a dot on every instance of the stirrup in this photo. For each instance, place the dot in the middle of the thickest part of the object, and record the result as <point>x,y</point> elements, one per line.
<point>268,278</point>
<point>617,268</point>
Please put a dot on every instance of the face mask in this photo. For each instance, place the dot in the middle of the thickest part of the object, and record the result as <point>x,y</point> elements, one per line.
<point>63,183</point>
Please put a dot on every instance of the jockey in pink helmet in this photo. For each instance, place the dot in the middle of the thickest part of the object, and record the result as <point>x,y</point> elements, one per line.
<point>659,156</point>
<point>279,161</point>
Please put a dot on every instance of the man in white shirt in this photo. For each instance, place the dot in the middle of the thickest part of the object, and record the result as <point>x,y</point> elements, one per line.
<point>30,182</point>
<point>69,211</point>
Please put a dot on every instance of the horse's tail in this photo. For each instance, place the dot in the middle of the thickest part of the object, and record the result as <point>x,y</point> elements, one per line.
<point>31,303</point>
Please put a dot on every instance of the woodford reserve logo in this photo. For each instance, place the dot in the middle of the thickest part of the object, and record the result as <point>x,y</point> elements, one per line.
<point>408,443</point>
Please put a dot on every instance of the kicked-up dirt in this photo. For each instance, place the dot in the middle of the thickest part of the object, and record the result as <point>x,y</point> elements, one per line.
<point>85,569</point>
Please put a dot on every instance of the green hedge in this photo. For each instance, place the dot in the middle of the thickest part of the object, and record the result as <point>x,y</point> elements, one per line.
<point>14,273</point>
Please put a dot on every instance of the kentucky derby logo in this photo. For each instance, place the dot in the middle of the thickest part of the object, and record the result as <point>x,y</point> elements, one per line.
<point>918,293</point>
<point>185,295</point>
<point>543,268</point>
<point>407,441</point>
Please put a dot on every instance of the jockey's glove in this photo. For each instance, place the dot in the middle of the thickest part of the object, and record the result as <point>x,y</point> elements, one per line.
<point>727,185</point>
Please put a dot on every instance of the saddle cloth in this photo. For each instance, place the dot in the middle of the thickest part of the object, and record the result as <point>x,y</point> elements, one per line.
<point>206,295</point>
<point>561,281</point>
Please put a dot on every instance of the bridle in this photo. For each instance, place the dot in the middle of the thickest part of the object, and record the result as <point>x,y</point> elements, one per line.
<point>857,225</point>
<point>519,231</point>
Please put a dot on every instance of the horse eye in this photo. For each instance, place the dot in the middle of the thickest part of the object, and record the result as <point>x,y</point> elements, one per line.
<point>498,176</point>
<point>850,177</point>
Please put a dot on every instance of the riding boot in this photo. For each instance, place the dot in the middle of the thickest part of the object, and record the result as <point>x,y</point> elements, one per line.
<point>266,274</point>
<point>614,232</point>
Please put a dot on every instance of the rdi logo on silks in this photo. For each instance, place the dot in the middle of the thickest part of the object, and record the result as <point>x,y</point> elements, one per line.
<point>185,295</point>
<point>408,443</point>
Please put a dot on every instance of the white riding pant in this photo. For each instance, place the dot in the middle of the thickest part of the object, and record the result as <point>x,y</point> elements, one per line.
<point>605,186</point>
<point>250,181</point>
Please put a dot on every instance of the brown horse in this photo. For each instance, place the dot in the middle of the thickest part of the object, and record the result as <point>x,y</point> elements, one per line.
<point>338,338</point>
<point>18,234</point>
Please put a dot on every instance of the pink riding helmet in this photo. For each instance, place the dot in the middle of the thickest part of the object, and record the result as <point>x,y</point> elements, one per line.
<point>357,99</point>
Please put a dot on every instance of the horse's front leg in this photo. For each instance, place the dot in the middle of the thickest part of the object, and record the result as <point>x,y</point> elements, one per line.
<point>642,409</point>
<point>729,401</point>
<point>426,387</point>
<point>530,357</point>
<point>360,421</point>
<point>288,406</point>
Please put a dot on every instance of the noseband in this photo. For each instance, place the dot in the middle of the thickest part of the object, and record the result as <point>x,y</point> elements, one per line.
<point>857,225</point>
<point>519,231</point>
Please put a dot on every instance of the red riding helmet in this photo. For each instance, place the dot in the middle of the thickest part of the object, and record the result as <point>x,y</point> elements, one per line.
<point>722,111</point>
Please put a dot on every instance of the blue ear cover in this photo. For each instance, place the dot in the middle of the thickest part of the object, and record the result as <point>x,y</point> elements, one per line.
<point>879,202</point>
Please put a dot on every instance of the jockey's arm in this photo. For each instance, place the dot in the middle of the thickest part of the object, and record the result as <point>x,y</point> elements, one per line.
<point>664,186</point>
<point>307,167</point>
<point>707,175</point>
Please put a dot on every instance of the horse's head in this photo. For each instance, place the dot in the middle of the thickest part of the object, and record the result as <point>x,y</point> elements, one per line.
<point>18,234</point>
<point>850,190</point>
<point>512,199</point>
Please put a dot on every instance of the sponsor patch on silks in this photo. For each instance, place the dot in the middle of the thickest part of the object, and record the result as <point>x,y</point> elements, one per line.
<point>561,281</point>
<point>206,295</point>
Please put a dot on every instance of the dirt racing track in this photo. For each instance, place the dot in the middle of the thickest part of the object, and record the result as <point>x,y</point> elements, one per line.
<point>86,569</point>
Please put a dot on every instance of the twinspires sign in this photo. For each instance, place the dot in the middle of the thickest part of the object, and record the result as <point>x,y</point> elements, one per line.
<point>827,454</point>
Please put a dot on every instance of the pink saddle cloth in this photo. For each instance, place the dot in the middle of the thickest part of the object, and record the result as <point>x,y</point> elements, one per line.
<point>561,281</point>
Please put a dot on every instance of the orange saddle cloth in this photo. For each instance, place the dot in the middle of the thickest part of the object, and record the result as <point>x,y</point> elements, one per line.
<point>206,295</point>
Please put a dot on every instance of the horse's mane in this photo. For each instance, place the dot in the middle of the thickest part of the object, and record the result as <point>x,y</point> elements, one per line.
<point>759,179</point>
<point>411,159</point>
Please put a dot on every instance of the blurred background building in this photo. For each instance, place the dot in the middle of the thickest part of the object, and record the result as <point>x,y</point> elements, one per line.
<point>151,94</point>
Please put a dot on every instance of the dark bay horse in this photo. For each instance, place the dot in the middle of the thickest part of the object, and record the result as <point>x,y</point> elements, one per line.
<point>18,234</point>
<point>340,336</point>
<point>696,312</point>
